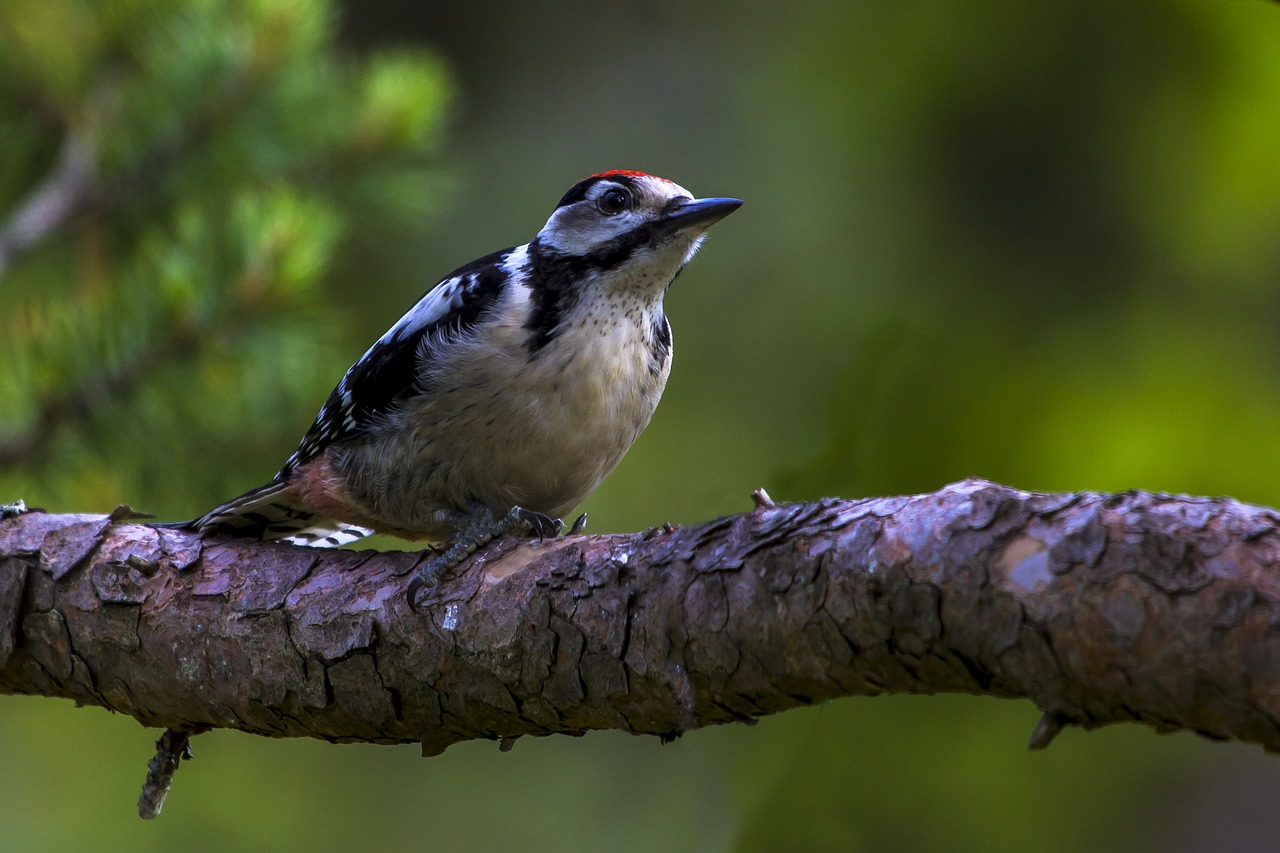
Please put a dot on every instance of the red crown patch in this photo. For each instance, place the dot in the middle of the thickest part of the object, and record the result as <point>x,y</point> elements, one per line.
<point>630,173</point>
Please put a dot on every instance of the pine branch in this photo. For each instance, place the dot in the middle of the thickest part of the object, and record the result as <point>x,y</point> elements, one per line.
<point>74,185</point>
<point>63,194</point>
<point>170,334</point>
<point>1099,608</point>
<point>29,448</point>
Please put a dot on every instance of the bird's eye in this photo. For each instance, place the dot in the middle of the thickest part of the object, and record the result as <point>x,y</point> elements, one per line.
<point>612,202</point>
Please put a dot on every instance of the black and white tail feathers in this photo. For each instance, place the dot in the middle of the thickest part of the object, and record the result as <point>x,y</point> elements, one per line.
<point>269,512</point>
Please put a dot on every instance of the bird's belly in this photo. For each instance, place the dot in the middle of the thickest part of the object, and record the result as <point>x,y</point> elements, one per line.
<point>506,434</point>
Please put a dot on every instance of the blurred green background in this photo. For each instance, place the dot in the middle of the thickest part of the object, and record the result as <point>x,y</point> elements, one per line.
<point>1037,243</point>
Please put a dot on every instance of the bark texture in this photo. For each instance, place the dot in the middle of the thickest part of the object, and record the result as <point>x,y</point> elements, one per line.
<point>1099,608</point>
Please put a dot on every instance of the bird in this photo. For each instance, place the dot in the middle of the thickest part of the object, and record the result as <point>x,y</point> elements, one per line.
<point>504,396</point>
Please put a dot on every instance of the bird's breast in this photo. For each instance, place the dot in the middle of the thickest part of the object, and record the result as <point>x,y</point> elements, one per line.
<point>597,385</point>
<point>513,425</point>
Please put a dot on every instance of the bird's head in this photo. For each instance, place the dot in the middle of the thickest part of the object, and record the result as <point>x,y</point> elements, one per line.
<point>623,220</point>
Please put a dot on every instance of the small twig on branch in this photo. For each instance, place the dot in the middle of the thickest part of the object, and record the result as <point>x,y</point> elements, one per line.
<point>1049,727</point>
<point>1098,608</point>
<point>172,748</point>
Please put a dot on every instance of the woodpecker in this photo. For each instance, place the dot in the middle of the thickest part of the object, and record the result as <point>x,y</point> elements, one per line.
<point>505,395</point>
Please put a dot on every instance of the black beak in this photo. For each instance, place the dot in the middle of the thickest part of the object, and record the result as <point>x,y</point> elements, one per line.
<point>698,214</point>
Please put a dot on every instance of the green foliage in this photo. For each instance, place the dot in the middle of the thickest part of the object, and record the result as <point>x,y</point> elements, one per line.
<point>166,342</point>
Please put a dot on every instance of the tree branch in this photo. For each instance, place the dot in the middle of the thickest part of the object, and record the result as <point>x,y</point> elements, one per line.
<point>1099,608</point>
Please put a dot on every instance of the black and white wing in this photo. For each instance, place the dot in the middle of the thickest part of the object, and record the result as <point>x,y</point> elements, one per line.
<point>385,376</point>
<point>388,373</point>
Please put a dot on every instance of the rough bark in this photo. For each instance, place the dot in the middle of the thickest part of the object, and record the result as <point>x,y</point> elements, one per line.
<point>1099,608</point>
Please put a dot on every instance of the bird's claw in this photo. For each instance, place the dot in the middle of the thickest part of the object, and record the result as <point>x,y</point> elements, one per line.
<point>540,525</point>
<point>425,579</point>
<point>478,529</point>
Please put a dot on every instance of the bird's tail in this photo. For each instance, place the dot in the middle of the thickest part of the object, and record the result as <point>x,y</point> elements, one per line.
<point>272,512</point>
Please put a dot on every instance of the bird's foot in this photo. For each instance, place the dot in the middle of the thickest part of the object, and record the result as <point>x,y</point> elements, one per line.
<point>477,529</point>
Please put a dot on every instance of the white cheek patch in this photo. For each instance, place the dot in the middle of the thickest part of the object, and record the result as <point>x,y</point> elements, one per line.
<point>577,232</point>
<point>620,224</point>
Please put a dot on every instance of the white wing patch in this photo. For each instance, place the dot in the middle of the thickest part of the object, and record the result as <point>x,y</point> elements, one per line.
<point>439,301</point>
